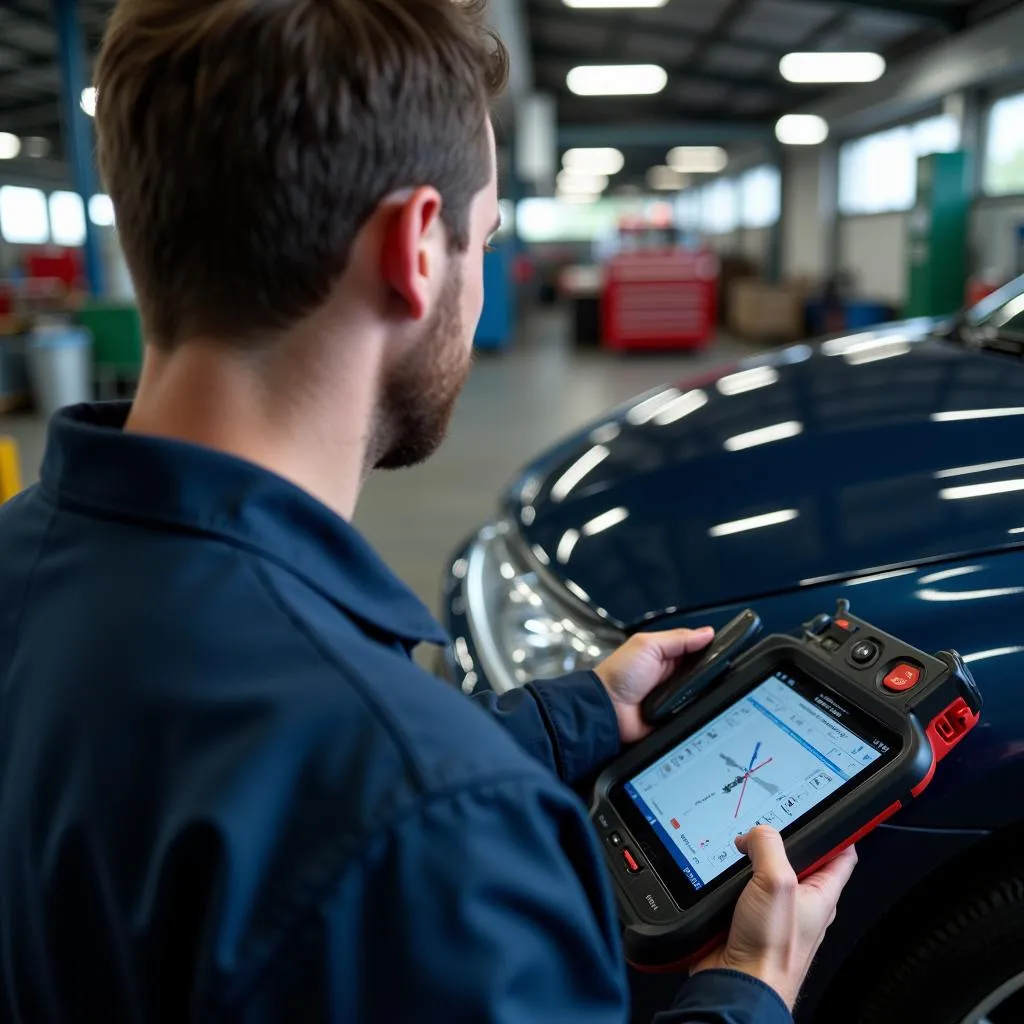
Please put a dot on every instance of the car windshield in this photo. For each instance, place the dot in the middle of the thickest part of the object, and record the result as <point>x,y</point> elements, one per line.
<point>998,320</point>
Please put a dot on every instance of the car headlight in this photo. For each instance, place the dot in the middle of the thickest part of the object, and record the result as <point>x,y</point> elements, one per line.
<point>521,628</point>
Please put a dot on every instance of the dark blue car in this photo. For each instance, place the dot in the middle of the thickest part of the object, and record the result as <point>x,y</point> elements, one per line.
<point>885,467</point>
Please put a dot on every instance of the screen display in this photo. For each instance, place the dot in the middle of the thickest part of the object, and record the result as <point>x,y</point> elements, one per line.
<point>769,759</point>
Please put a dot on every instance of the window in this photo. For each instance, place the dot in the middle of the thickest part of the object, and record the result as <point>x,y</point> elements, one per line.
<point>1004,148</point>
<point>67,218</point>
<point>761,197</point>
<point>688,206</point>
<point>720,207</point>
<point>23,216</point>
<point>878,173</point>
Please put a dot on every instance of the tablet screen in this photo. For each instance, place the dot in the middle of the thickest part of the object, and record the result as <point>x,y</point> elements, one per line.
<point>784,749</point>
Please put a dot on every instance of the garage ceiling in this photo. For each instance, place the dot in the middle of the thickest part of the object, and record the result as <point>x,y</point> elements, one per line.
<point>722,55</point>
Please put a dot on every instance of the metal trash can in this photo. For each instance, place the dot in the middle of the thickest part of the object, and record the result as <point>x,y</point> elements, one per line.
<point>60,367</point>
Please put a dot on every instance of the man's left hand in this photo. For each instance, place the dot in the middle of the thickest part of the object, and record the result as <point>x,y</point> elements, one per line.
<point>641,664</point>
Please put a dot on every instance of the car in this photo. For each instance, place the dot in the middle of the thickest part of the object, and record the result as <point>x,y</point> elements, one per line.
<point>885,467</point>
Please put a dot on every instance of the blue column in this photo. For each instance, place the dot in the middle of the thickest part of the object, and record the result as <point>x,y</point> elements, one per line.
<point>78,138</point>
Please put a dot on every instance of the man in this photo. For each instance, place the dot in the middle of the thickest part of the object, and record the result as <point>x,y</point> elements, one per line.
<point>226,792</point>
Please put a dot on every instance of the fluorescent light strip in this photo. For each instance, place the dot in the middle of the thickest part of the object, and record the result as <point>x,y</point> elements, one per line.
<point>960,415</point>
<point>605,5</point>
<point>832,68</point>
<point>748,380</point>
<point>995,652</point>
<point>567,545</point>
<point>754,523</point>
<point>878,577</point>
<point>884,350</point>
<point>645,411</point>
<point>617,80</point>
<point>984,467</point>
<point>571,478</point>
<point>950,574</point>
<point>801,130</point>
<point>766,435</point>
<point>605,522</point>
<point>981,490</point>
<point>698,159</point>
<point>678,408</point>
<point>594,161</point>
<point>968,595</point>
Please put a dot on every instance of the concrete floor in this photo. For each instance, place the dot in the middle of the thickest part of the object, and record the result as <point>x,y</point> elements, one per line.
<point>515,405</point>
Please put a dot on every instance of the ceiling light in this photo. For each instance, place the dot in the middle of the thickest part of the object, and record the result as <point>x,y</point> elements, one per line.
<point>801,130</point>
<point>828,68</point>
<point>635,5</point>
<point>570,181</point>
<point>667,179</point>
<point>698,159</point>
<point>754,523</point>
<point>594,161</point>
<point>766,435</point>
<point>101,211</point>
<point>88,101</point>
<point>10,146</point>
<point>36,147</point>
<point>617,80</point>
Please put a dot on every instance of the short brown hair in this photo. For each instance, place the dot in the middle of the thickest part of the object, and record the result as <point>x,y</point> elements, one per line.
<point>246,142</point>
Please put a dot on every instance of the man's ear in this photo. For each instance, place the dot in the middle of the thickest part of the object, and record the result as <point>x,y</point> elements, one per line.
<point>414,241</point>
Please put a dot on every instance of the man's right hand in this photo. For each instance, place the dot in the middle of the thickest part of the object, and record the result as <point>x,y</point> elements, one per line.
<point>779,922</point>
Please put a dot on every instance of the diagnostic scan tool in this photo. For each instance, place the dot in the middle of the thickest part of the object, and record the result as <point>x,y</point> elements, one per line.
<point>823,737</point>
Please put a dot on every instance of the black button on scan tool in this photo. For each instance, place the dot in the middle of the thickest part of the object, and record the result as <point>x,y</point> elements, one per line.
<point>864,653</point>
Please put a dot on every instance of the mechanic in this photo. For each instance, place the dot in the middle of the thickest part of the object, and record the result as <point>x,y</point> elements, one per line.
<point>226,790</point>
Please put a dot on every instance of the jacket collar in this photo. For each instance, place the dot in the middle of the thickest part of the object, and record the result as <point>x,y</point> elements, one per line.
<point>91,462</point>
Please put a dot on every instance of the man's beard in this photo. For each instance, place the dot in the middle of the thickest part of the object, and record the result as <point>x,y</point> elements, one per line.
<point>418,396</point>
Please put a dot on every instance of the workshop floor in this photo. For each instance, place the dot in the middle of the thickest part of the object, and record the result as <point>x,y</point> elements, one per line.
<point>515,405</point>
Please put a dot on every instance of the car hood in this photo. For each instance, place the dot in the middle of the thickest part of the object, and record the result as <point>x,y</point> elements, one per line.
<point>818,462</point>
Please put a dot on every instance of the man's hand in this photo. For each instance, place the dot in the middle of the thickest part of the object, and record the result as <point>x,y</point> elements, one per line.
<point>642,663</point>
<point>779,922</point>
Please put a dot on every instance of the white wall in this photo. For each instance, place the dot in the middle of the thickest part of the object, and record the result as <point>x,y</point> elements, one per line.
<point>755,244</point>
<point>874,250</point>
<point>803,234</point>
<point>993,236</point>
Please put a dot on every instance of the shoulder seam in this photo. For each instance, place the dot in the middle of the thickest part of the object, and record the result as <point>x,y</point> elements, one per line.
<point>255,565</point>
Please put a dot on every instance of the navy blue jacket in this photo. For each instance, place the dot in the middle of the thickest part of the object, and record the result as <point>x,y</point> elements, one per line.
<point>227,793</point>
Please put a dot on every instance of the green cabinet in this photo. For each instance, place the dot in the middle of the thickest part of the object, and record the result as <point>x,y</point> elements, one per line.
<point>938,228</point>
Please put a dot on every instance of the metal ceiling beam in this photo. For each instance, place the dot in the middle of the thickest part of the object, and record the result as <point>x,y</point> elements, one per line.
<point>667,134</point>
<point>973,59</point>
<point>544,54</point>
<point>606,20</point>
<point>952,18</point>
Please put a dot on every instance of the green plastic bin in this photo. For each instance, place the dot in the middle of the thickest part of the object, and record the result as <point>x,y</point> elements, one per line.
<point>117,343</point>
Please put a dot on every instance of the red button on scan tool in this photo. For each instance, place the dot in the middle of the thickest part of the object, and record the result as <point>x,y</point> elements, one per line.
<point>902,678</point>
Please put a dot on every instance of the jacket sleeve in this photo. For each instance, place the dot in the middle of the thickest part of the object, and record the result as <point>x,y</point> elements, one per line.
<point>567,724</point>
<point>488,905</point>
<point>726,997</point>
